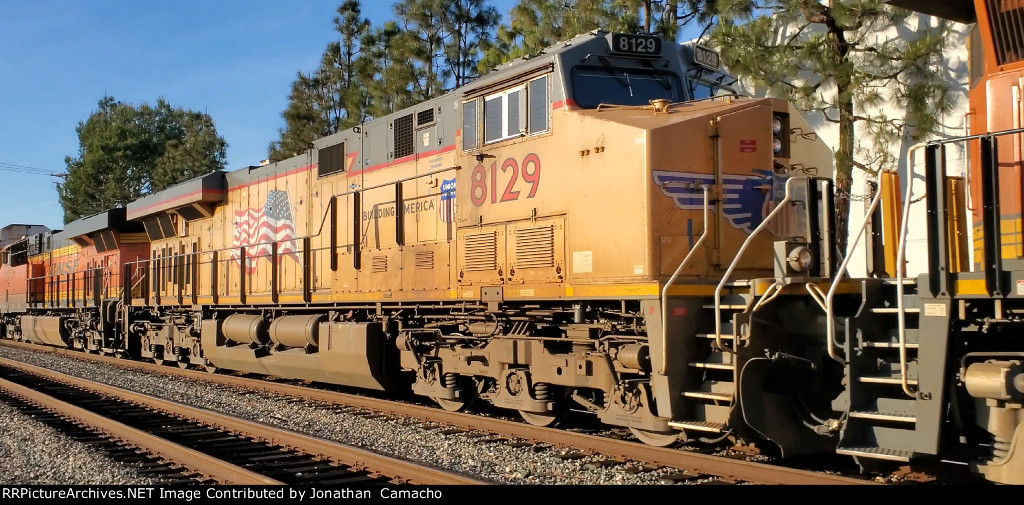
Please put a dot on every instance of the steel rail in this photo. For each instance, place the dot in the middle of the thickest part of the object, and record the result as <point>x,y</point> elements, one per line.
<point>393,467</point>
<point>683,460</point>
<point>216,469</point>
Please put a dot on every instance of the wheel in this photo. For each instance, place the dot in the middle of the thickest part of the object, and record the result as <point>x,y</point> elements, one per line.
<point>543,418</point>
<point>452,405</point>
<point>655,438</point>
<point>159,361</point>
<point>183,364</point>
<point>210,368</point>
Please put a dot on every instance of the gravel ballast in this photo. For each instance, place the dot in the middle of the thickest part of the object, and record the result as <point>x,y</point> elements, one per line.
<point>33,453</point>
<point>494,461</point>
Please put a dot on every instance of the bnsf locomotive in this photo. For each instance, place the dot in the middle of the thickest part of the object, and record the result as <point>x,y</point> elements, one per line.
<point>600,226</point>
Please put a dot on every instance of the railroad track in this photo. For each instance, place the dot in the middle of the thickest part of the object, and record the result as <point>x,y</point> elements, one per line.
<point>689,465</point>
<point>212,447</point>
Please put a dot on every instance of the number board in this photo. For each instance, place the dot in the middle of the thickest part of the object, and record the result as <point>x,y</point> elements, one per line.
<point>706,57</point>
<point>635,45</point>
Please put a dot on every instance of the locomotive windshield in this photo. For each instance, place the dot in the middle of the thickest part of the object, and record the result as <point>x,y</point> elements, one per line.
<point>594,85</point>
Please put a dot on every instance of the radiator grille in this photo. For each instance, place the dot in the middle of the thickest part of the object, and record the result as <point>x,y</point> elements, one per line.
<point>481,251</point>
<point>535,247</point>
<point>379,264</point>
<point>1007,20</point>
<point>424,260</point>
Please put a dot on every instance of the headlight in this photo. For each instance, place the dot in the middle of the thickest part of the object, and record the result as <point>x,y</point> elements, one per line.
<point>776,125</point>
<point>777,146</point>
<point>800,259</point>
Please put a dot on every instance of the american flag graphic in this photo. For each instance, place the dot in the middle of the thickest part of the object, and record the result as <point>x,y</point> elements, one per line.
<point>257,229</point>
<point>447,207</point>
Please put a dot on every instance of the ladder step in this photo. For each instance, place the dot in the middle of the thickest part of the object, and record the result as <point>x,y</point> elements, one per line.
<point>894,310</point>
<point>698,426</point>
<point>883,416</point>
<point>888,345</point>
<point>704,395</point>
<point>713,366</point>
<point>886,380</point>
<point>877,453</point>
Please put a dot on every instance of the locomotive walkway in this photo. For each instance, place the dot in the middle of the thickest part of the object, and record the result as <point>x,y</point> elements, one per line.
<point>691,466</point>
<point>220,448</point>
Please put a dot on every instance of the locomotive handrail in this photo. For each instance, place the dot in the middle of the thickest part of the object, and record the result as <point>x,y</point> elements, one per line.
<point>319,231</point>
<point>901,312</point>
<point>739,254</point>
<point>396,181</point>
<point>830,324</point>
<point>679,270</point>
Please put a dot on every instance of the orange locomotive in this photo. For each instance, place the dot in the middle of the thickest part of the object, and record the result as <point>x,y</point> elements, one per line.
<point>61,288</point>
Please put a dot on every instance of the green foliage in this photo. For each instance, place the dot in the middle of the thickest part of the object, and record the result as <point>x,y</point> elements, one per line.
<point>126,152</point>
<point>333,97</point>
<point>830,58</point>
<point>537,24</point>
<point>373,71</point>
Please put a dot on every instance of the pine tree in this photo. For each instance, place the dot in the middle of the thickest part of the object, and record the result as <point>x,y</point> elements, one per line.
<point>537,24</point>
<point>126,152</point>
<point>828,58</point>
<point>333,97</point>
<point>469,24</point>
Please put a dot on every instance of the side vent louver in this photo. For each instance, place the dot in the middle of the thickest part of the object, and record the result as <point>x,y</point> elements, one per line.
<point>481,251</point>
<point>535,247</point>
<point>379,264</point>
<point>424,260</point>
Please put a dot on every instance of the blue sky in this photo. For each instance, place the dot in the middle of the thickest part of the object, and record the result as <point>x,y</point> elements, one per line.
<point>234,59</point>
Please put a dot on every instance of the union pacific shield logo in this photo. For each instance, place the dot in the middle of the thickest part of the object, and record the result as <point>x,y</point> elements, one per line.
<point>447,208</point>
<point>746,199</point>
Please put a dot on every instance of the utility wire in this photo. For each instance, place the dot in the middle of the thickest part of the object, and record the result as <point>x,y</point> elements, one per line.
<point>23,169</point>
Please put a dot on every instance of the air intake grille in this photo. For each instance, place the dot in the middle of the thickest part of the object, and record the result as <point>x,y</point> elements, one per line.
<point>379,264</point>
<point>403,136</point>
<point>481,251</point>
<point>425,117</point>
<point>1007,20</point>
<point>535,247</point>
<point>424,260</point>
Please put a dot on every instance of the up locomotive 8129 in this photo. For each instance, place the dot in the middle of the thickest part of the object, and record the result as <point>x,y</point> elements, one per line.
<point>508,242</point>
<point>597,226</point>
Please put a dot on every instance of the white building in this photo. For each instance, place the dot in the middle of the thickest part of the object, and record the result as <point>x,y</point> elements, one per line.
<point>955,71</point>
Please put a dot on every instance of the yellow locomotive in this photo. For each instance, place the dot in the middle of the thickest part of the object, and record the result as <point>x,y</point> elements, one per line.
<point>508,242</point>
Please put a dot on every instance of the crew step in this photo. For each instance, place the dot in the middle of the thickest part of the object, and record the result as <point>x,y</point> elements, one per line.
<point>697,426</point>
<point>883,416</point>
<point>893,282</point>
<point>895,310</point>
<point>725,307</point>
<point>877,453</point>
<point>712,336</point>
<point>888,345</point>
<point>886,380</point>
<point>716,361</point>
<point>705,395</point>
<point>712,366</point>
